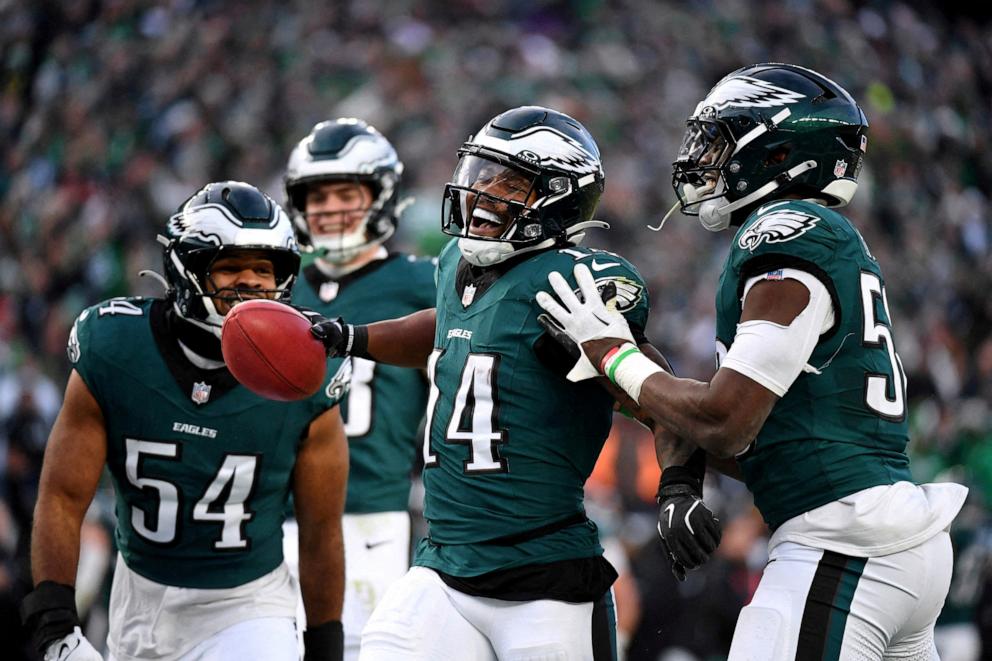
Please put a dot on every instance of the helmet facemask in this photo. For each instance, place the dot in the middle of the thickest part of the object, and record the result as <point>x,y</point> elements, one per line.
<point>699,177</point>
<point>283,272</point>
<point>502,209</point>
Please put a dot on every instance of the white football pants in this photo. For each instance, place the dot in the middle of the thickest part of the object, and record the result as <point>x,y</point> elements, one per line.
<point>816,604</point>
<point>261,639</point>
<point>376,554</point>
<point>422,619</point>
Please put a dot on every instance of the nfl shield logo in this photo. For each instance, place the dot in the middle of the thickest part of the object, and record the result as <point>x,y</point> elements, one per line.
<point>840,168</point>
<point>864,143</point>
<point>468,295</point>
<point>328,291</point>
<point>201,393</point>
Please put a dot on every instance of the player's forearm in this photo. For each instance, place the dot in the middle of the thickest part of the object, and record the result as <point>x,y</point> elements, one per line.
<point>697,412</point>
<point>55,539</point>
<point>322,571</point>
<point>671,449</point>
<point>407,341</point>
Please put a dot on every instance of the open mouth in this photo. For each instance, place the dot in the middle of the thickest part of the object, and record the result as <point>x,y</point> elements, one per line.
<point>486,221</point>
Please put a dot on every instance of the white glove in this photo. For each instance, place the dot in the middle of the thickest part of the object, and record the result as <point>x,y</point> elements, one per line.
<point>584,320</point>
<point>73,647</point>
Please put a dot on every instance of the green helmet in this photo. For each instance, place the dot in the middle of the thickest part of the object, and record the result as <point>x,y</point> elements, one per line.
<point>764,132</point>
<point>219,218</point>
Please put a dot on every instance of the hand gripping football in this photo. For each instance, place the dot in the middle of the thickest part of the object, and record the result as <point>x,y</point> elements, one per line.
<point>268,347</point>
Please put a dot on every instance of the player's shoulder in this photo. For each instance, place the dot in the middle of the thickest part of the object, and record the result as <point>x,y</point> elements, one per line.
<point>606,267</point>
<point>108,328</point>
<point>800,227</point>
<point>602,263</point>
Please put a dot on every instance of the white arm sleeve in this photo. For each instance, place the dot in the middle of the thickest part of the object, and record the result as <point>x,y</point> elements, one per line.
<point>772,354</point>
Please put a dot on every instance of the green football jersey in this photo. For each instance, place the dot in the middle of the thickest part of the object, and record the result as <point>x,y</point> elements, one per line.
<point>510,441</point>
<point>202,468</point>
<point>386,404</point>
<point>844,428</point>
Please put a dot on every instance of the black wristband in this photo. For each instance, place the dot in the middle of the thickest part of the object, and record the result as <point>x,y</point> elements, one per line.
<point>690,474</point>
<point>360,342</point>
<point>49,613</point>
<point>324,642</point>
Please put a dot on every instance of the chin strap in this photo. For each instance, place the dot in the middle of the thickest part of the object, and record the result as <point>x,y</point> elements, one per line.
<point>771,186</point>
<point>577,232</point>
<point>665,219</point>
<point>155,276</point>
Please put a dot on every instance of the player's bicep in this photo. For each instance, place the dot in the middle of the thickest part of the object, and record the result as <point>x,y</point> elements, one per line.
<point>321,471</point>
<point>781,323</point>
<point>77,448</point>
<point>778,301</point>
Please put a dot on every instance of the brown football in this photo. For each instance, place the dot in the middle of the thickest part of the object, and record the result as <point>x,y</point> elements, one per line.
<point>268,348</point>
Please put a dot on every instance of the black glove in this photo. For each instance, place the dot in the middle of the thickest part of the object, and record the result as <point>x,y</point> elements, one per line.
<point>331,332</point>
<point>48,613</point>
<point>339,338</point>
<point>689,530</point>
<point>324,642</point>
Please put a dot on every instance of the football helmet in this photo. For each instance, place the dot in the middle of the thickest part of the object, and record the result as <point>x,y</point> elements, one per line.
<point>224,216</point>
<point>765,131</point>
<point>528,180</point>
<point>346,150</point>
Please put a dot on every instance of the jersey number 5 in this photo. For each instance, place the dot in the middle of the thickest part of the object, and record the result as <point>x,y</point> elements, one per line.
<point>878,335</point>
<point>235,477</point>
<point>473,420</point>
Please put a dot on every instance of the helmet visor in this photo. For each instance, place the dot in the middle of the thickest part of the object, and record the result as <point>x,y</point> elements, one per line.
<point>704,146</point>
<point>486,198</point>
<point>698,169</point>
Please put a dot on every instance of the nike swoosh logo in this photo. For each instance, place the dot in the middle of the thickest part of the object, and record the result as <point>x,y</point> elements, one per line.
<point>671,510</point>
<point>65,650</point>
<point>372,545</point>
<point>596,266</point>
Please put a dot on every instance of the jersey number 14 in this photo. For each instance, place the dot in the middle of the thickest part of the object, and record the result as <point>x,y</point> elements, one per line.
<point>473,419</point>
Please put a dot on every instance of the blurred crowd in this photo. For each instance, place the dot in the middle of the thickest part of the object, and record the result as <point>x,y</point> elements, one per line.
<point>112,112</point>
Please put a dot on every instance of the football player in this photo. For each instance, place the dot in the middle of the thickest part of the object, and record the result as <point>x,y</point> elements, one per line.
<point>202,468</point>
<point>343,188</point>
<point>809,396</point>
<point>511,567</point>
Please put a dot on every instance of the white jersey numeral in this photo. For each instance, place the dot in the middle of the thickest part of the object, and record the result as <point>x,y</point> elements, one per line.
<point>164,530</point>
<point>117,306</point>
<point>879,335</point>
<point>473,420</point>
<point>359,422</point>
<point>478,385</point>
<point>430,459</point>
<point>238,470</point>
<point>236,476</point>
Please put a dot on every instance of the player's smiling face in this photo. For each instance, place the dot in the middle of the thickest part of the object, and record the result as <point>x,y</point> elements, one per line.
<point>337,207</point>
<point>240,275</point>
<point>493,187</point>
